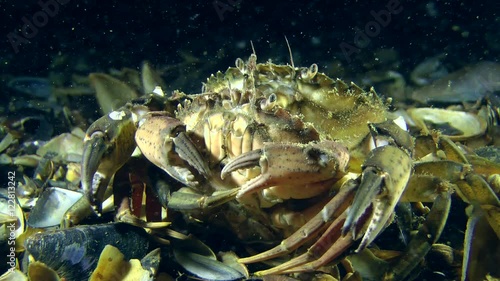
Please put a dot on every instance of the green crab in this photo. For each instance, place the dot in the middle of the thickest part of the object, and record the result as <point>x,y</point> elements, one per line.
<point>262,134</point>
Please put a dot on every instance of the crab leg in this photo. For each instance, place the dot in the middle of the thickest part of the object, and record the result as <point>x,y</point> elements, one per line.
<point>330,211</point>
<point>327,247</point>
<point>180,200</point>
<point>323,251</point>
<point>385,174</point>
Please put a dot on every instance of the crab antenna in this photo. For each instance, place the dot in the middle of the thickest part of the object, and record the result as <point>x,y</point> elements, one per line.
<point>290,52</point>
<point>253,49</point>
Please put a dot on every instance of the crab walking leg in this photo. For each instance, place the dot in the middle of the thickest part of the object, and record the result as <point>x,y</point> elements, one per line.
<point>309,230</point>
<point>329,246</point>
<point>108,144</point>
<point>331,253</point>
<point>180,200</point>
<point>386,172</point>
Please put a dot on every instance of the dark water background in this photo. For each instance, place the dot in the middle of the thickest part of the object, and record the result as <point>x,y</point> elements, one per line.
<point>124,33</point>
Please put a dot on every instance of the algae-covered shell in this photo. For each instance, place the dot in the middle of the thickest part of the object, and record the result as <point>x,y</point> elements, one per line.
<point>457,125</point>
<point>73,253</point>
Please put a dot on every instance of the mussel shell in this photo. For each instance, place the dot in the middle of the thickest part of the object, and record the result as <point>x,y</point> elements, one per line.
<point>73,253</point>
<point>31,86</point>
<point>198,259</point>
<point>51,207</point>
<point>457,125</point>
<point>467,84</point>
<point>38,271</point>
<point>66,147</point>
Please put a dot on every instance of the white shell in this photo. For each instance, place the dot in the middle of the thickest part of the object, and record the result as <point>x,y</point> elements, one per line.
<point>51,207</point>
<point>469,124</point>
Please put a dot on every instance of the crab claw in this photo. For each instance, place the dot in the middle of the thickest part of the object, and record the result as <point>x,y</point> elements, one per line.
<point>164,142</point>
<point>290,165</point>
<point>108,144</point>
<point>386,172</point>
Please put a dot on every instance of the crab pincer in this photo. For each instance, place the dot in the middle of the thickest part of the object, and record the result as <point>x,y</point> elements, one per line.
<point>108,144</point>
<point>386,172</point>
<point>290,166</point>
<point>163,141</point>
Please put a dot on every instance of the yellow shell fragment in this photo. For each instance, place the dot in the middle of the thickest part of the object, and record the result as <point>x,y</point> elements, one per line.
<point>13,275</point>
<point>112,266</point>
<point>38,271</point>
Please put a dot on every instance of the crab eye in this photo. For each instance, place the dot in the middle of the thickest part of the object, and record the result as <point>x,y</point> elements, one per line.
<point>309,73</point>
<point>313,70</point>
<point>240,65</point>
<point>269,103</point>
<point>272,98</point>
<point>177,130</point>
<point>304,73</point>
